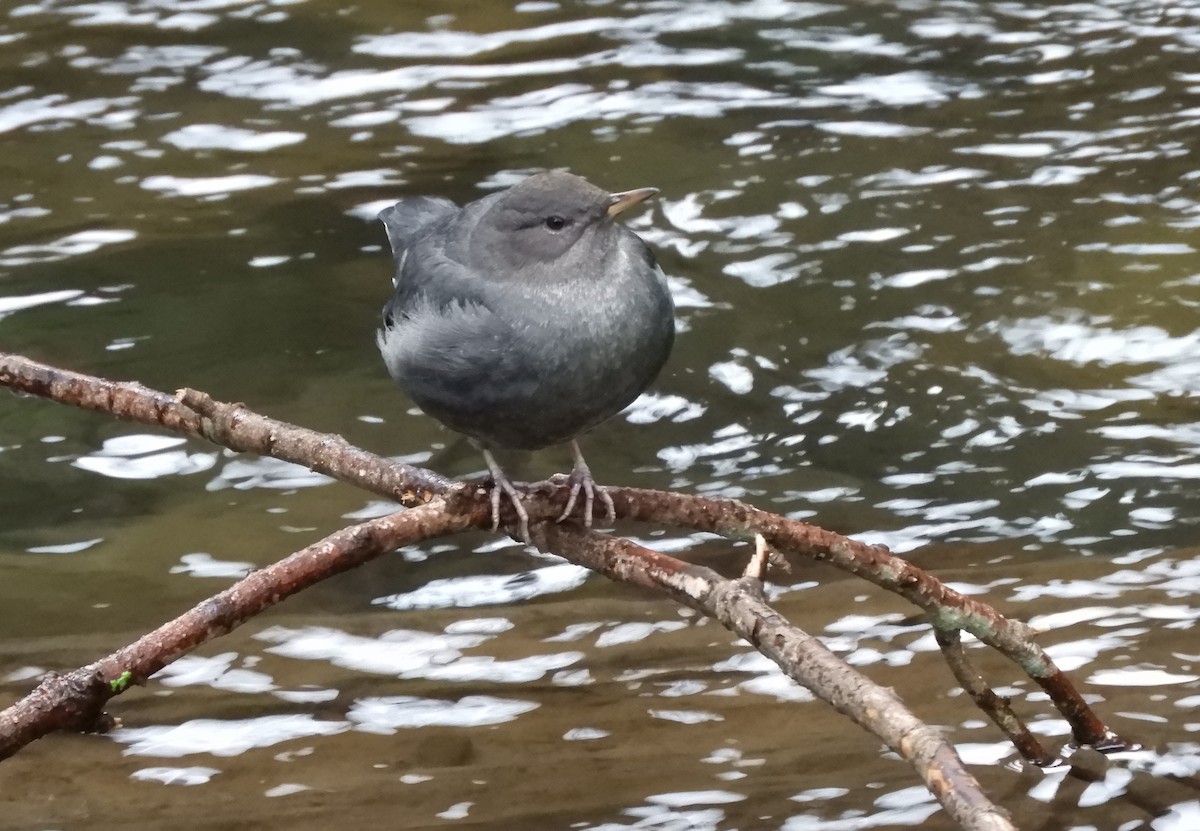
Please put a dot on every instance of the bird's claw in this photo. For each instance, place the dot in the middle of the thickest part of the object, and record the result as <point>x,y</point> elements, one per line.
<point>502,486</point>
<point>581,482</point>
<point>505,487</point>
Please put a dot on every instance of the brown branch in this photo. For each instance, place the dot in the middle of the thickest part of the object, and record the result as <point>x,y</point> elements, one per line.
<point>75,701</point>
<point>998,709</point>
<point>947,608</point>
<point>739,606</point>
<point>195,414</point>
<point>236,427</point>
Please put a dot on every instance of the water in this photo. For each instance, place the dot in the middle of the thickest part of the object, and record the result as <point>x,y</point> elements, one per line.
<point>936,277</point>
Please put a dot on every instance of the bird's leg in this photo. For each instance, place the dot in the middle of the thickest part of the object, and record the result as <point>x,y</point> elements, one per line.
<point>581,480</point>
<point>501,483</point>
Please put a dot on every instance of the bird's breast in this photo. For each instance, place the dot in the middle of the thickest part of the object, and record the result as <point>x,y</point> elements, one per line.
<point>537,362</point>
<point>592,330</point>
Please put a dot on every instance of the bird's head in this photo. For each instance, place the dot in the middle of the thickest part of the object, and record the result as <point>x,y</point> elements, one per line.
<point>552,218</point>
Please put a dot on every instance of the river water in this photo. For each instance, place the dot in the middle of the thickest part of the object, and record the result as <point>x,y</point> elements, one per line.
<point>937,281</point>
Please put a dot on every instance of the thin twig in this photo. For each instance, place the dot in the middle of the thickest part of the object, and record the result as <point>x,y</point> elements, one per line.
<point>997,708</point>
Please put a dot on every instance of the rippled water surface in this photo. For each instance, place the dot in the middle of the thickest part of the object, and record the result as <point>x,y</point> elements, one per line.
<point>937,283</point>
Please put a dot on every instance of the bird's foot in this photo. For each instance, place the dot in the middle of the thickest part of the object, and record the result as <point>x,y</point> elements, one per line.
<point>581,481</point>
<point>505,487</point>
<point>502,486</point>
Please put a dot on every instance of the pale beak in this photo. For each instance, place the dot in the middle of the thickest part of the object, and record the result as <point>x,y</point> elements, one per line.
<point>628,198</point>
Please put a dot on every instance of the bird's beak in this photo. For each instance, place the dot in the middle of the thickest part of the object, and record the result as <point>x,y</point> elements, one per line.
<point>628,198</point>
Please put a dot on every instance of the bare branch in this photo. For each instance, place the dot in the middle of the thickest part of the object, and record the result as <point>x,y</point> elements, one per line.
<point>739,606</point>
<point>197,415</point>
<point>996,707</point>
<point>236,427</point>
<point>75,701</point>
<point>440,506</point>
<point>948,609</point>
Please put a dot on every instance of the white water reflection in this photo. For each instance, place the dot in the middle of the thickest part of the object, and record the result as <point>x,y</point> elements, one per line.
<point>651,407</point>
<point>221,738</point>
<point>584,734</point>
<point>686,799</point>
<point>200,564</point>
<point>144,456</point>
<point>218,672</point>
<point>1181,817</point>
<point>412,654</point>
<point>902,817</point>
<point>392,653</point>
<point>72,245</point>
<point>489,589</point>
<point>1079,342</point>
<point>208,187</point>
<point>195,775</point>
<point>665,818</point>
<point>1140,677</point>
<point>685,716</point>
<point>387,715</point>
<point>66,548</point>
<point>898,90</point>
<point>221,137</point>
<point>632,632</point>
<point>246,472</point>
<point>55,108</point>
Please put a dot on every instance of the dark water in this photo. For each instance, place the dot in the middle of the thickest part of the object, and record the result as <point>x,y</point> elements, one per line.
<point>937,286</point>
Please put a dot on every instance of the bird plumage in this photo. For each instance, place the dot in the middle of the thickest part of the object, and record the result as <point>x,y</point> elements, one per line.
<point>527,317</point>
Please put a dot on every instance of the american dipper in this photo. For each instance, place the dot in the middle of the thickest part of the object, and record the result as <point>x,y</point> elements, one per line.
<point>525,318</point>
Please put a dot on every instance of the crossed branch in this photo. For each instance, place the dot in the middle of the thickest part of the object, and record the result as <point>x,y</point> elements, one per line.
<point>434,507</point>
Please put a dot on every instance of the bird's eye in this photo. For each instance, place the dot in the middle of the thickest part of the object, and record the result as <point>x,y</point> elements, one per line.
<point>555,223</point>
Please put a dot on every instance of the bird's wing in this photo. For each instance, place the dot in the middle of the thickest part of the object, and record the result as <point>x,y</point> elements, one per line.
<point>451,352</point>
<point>406,219</point>
<point>428,276</point>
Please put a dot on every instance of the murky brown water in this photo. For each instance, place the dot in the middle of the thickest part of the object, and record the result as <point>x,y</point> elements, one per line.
<point>937,281</point>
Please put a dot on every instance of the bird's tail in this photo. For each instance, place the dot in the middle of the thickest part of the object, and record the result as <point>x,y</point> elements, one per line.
<point>409,217</point>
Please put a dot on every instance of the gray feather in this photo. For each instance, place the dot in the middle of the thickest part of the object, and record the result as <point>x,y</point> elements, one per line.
<point>408,218</point>
<point>516,333</point>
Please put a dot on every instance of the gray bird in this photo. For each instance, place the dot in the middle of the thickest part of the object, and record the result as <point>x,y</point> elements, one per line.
<point>525,318</point>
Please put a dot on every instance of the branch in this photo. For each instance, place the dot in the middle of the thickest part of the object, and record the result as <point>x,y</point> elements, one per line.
<point>948,609</point>
<point>75,701</point>
<point>236,427</point>
<point>440,506</point>
<point>195,414</point>
<point>985,698</point>
<point>739,606</point>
